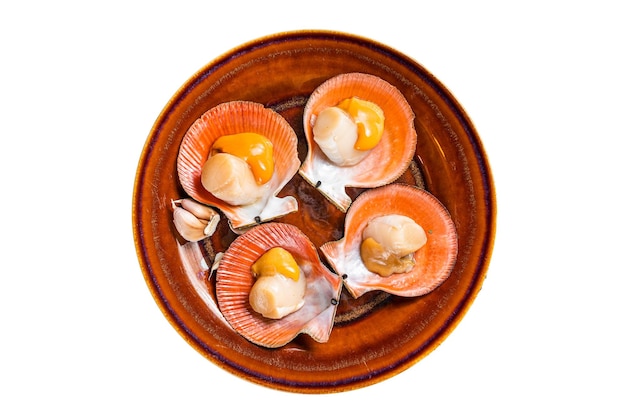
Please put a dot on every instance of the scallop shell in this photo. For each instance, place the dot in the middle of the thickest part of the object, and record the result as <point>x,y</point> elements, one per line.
<point>234,281</point>
<point>433,262</point>
<point>239,117</point>
<point>385,163</point>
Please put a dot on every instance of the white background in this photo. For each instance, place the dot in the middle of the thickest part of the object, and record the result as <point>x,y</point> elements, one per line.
<point>81,85</point>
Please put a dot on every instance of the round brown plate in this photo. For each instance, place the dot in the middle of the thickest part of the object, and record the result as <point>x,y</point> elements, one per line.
<point>375,336</point>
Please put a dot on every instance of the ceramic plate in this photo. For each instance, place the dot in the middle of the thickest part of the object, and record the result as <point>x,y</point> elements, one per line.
<point>375,336</point>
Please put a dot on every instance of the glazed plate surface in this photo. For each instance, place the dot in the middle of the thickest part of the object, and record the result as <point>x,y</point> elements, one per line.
<point>376,336</point>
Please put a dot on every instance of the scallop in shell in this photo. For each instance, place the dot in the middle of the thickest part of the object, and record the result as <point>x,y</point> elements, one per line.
<point>232,118</point>
<point>382,164</point>
<point>234,281</point>
<point>433,262</point>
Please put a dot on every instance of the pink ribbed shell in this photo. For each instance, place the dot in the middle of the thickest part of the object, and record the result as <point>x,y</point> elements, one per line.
<point>386,161</point>
<point>240,117</point>
<point>234,281</point>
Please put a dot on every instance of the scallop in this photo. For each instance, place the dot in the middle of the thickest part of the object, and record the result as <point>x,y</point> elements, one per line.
<point>228,182</point>
<point>431,264</point>
<point>332,162</point>
<point>235,280</point>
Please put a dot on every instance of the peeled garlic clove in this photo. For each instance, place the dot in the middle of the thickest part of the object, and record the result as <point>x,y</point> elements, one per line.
<point>194,221</point>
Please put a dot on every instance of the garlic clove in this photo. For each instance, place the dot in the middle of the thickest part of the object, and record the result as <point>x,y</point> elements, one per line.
<point>198,209</point>
<point>211,225</point>
<point>194,221</point>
